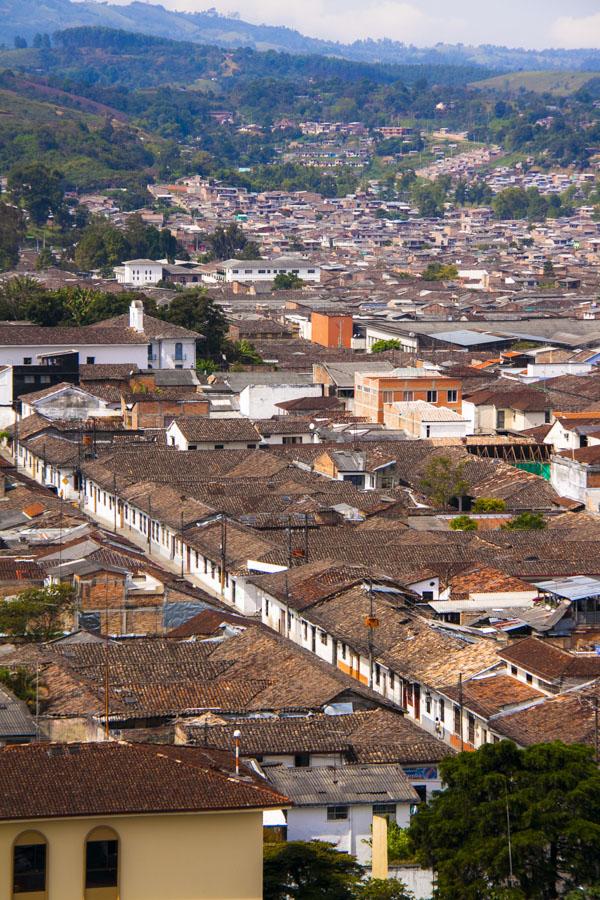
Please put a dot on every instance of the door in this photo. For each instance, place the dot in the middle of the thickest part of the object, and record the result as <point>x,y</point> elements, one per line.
<point>417,696</point>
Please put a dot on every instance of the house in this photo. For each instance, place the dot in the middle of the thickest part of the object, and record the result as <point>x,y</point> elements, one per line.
<point>337,804</point>
<point>139,272</point>
<point>373,390</point>
<point>337,378</point>
<point>259,400</point>
<point>365,469</point>
<point>202,433</point>
<point>65,401</point>
<point>576,474</point>
<point>424,420</point>
<point>255,270</point>
<point>501,408</point>
<point>168,346</point>
<point>129,821</point>
<point>133,338</point>
<point>570,431</point>
<point>367,737</point>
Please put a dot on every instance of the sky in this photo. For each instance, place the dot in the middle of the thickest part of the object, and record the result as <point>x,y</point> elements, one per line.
<point>514,23</point>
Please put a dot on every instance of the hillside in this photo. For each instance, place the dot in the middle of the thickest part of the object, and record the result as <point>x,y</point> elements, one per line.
<point>92,145</point>
<point>559,84</point>
<point>27,17</point>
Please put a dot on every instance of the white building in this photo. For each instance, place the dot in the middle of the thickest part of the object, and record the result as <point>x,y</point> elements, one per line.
<point>420,419</point>
<point>253,270</point>
<point>337,804</point>
<point>259,401</point>
<point>139,272</point>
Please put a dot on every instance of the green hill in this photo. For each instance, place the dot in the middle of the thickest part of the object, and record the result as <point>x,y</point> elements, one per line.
<point>560,84</point>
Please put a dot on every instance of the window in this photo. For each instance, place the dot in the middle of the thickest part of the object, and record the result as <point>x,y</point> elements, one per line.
<point>377,673</point>
<point>291,439</point>
<point>452,396</point>
<point>408,396</point>
<point>427,595</point>
<point>27,360</point>
<point>336,812</point>
<point>101,860</point>
<point>323,636</point>
<point>547,416</point>
<point>432,396</point>
<point>29,379</point>
<point>29,864</point>
<point>45,379</point>
<point>219,446</point>
<point>385,809</point>
<point>457,720</point>
<point>266,606</point>
<point>529,678</point>
<point>428,431</point>
<point>428,702</point>
<point>90,360</point>
<point>388,396</point>
<point>513,670</point>
<point>302,760</point>
<point>343,651</point>
<point>442,708</point>
<point>251,446</point>
<point>178,350</point>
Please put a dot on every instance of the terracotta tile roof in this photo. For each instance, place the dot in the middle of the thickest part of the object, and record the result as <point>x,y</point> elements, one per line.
<point>20,334</point>
<point>153,328</point>
<point>493,694</point>
<point>569,717</point>
<point>550,662</point>
<point>42,781</point>
<point>485,579</point>
<point>201,428</point>
<point>369,736</point>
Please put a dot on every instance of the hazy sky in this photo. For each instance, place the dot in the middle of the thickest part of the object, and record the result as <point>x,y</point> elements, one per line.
<point>517,23</point>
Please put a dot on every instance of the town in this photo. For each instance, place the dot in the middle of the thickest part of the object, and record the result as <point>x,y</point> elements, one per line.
<point>300,505</point>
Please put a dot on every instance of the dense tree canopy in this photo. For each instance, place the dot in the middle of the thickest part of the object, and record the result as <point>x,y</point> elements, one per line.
<point>547,797</point>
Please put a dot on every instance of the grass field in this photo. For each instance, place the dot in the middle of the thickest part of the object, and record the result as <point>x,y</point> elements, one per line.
<point>561,84</point>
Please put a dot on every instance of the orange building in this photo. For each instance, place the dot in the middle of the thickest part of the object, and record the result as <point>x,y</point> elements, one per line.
<point>331,330</point>
<point>372,390</point>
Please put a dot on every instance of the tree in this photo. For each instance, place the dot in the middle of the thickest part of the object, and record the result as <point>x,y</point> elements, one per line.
<point>37,613</point>
<point>382,345</point>
<point>45,259</point>
<point>39,189</point>
<point>548,269</point>
<point>206,366</point>
<point>463,523</point>
<point>526,521</point>
<point>382,889</point>
<point>16,296</point>
<point>308,870</point>
<point>245,352</point>
<point>287,282</point>
<point>430,197</point>
<point>442,480</point>
<point>488,504</point>
<point>231,242</point>
<point>101,245</point>
<point>12,232</point>
<point>550,794</point>
<point>438,272</point>
<point>22,683</point>
<point>193,309</point>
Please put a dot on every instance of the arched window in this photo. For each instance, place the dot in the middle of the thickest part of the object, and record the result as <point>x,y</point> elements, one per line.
<point>102,864</point>
<point>30,862</point>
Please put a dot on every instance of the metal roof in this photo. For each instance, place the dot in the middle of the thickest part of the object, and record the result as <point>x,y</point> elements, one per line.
<point>576,587</point>
<point>15,719</point>
<point>467,338</point>
<point>326,785</point>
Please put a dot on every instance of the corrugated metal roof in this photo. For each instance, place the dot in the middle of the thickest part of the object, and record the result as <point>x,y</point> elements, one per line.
<point>577,587</point>
<point>326,785</point>
<point>15,719</point>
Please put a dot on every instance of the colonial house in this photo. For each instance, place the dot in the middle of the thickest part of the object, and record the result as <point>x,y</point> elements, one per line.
<point>129,821</point>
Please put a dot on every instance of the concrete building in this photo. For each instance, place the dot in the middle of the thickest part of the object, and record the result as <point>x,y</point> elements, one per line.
<point>139,272</point>
<point>252,270</point>
<point>337,804</point>
<point>424,420</point>
<point>331,330</point>
<point>372,391</point>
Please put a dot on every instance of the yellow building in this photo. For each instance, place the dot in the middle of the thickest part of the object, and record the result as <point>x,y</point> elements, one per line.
<point>116,821</point>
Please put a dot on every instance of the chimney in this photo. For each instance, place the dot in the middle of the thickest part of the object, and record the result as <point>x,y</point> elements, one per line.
<point>136,316</point>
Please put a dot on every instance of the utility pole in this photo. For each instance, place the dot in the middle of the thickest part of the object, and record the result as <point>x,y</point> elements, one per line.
<point>460,708</point>
<point>223,551</point>
<point>115,501</point>
<point>149,526</point>
<point>181,536</point>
